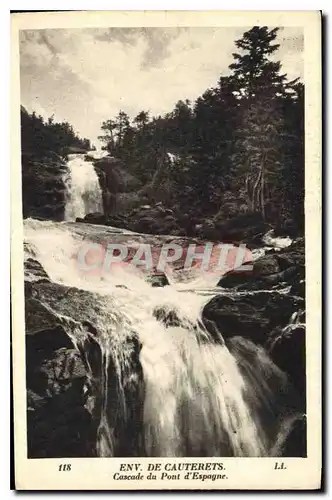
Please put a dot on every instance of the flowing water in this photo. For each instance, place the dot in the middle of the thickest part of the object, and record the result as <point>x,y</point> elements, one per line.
<point>83,190</point>
<point>199,397</point>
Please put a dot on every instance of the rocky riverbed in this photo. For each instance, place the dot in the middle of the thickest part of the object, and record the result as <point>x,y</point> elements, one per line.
<point>66,361</point>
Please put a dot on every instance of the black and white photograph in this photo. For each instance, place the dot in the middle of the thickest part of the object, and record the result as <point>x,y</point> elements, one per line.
<point>164,244</point>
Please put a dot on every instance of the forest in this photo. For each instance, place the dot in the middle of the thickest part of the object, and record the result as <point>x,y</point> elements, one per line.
<point>40,138</point>
<point>239,147</point>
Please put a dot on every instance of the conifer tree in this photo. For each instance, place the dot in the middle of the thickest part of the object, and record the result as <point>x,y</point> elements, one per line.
<point>260,86</point>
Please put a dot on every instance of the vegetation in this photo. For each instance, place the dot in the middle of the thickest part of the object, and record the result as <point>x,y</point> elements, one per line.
<point>239,146</point>
<point>41,138</point>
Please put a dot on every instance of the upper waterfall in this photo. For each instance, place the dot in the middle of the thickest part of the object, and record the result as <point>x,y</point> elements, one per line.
<point>83,190</point>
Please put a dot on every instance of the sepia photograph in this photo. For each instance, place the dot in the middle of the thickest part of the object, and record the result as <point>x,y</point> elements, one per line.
<point>162,175</point>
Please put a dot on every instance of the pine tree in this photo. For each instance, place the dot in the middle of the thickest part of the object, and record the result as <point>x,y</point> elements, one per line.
<point>253,71</point>
<point>260,87</point>
<point>108,127</point>
<point>141,120</point>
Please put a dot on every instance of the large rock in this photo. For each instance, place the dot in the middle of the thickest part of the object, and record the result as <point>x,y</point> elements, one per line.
<point>245,228</point>
<point>294,255</point>
<point>34,271</point>
<point>251,315</point>
<point>43,186</point>
<point>96,218</point>
<point>298,289</point>
<point>286,347</point>
<point>283,268</point>
<point>168,317</point>
<point>158,280</point>
<point>295,441</point>
<point>115,179</point>
<point>153,220</point>
<point>58,423</point>
<point>66,366</point>
<point>144,219</point>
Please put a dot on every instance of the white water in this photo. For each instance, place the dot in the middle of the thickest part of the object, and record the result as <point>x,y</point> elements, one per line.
<point>201,398</point>
<point>198,401</point>
<point>83,190</point>
<point>276,242</point>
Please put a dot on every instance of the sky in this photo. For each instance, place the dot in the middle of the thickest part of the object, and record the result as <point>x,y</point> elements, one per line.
<point>86,76</point>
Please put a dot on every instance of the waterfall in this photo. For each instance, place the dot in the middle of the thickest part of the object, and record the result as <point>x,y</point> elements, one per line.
<point>83,190</point>
<point>200,398</point>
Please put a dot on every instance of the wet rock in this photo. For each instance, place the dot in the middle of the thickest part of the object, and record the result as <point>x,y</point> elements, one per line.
<point>169,218</point>
<point>298,289</point>
<point>43,187</point>
<point>236,278</point>
<point>294,255</point>
<point>34,271</point>
<point>283,268</point>
<point>286,347</point>
<point>89,158</point>
<point>251,315</point>
<point>157,280</point>
<point>295,443</point>
<point>64,370</point>
<point>168,317</point>
<point>268,264</point>
<point>144,224</point>
<point>61,426</point>
<point>96,218</point>
<point>58,423</point>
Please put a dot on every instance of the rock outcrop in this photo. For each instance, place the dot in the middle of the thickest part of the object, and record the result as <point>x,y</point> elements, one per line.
<point>64,360</point>
<point>251,315</point>
<point>147,219</point>
<point>285,267</point>
<point>43,187</point>
<point>246,228</point>
<point>267,307</point>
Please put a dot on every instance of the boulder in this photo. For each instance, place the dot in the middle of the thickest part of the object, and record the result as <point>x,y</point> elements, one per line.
<point>64,373</point>
<point>157,280</point>
<point>283,268</point>
<point>96,218</point>
<point>143,224</point>
<point>166,316</point>
<point>43,186</point>
<point>286,347</point>
<point>266,265</point>
<point>236,278</point>
<point>58,423</point>
<point>251,315</point>
<point>169,218</point>
<point>295,441</point>
<point>114,175</point>
<point>294,255</point>
<point>34,271</point>
<point>243,228</point>
<point>89,158</point>
<point>298,289</point>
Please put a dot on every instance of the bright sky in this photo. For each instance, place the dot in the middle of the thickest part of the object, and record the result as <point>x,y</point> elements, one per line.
<point>86,76</point>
